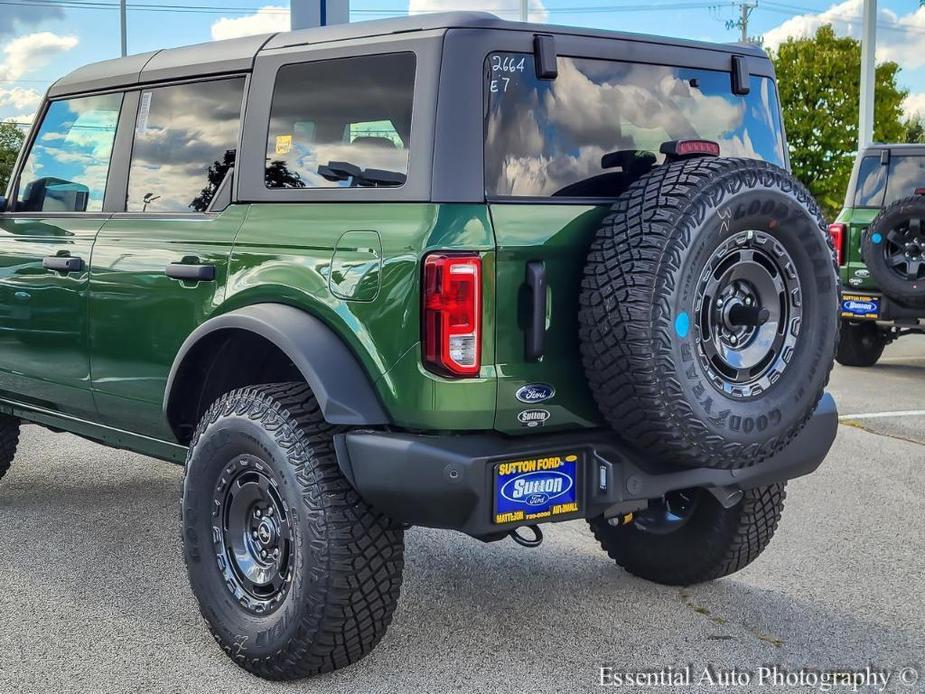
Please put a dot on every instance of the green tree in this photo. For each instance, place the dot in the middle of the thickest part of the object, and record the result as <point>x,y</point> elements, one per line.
<point>11,139</point>
<point>915,130</point>
<point>819,82</point>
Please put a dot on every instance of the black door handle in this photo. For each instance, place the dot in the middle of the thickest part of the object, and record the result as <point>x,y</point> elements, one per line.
<point>62,263</point>
<point>536,329</point>
<point>190,273</point>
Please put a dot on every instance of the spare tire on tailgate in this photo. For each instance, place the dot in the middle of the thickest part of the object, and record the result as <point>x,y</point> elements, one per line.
<point>708,316</point>
<point>894,251</point>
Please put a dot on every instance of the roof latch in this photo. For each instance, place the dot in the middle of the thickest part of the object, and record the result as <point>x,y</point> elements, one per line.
<point>741,77</point>
<point>544,51</point>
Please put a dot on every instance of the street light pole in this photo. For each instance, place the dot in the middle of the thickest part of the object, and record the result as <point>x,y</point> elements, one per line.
<point>123,22</point>
<point>524,10</point>
<point>868,74</point>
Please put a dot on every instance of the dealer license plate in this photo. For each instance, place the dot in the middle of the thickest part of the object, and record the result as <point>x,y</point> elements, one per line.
<point>536,489</point>
<point>860,306</point>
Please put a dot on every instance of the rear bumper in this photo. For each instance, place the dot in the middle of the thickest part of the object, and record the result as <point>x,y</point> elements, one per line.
<point>446,481</point>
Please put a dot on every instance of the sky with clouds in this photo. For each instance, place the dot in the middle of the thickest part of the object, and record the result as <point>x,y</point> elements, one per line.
<point>39,43</point>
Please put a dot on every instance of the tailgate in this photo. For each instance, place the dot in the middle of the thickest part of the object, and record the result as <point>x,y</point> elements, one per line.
<point>557,236</point>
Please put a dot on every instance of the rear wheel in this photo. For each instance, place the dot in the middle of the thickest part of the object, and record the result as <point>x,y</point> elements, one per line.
<point>688,537</point>
<point>294,573</point>
<point>860,344</point>
<point>9,440</point>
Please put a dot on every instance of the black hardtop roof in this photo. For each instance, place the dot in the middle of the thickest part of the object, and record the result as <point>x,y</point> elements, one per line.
<point>237,55</point>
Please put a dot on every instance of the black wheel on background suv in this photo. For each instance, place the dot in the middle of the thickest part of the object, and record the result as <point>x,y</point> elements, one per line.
<point>708,312</point>
<point>294,573</point>
<point>860,344</point>
<point>689,537</point>
<point>9,440</point>
<point>893,249</point>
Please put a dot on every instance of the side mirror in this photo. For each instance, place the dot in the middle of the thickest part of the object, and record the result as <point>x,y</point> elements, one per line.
<point>55,195</point>
<point>2,203</point>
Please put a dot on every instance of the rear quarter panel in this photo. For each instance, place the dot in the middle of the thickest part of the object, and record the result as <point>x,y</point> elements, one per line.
<point>285,253</point>
<point>854,274</point>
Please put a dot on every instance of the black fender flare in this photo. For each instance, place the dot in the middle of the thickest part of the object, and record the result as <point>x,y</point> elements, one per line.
<point>337,379</point>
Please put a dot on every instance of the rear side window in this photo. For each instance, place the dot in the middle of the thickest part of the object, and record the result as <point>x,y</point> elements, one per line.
<point>342,123</point>
<point>68,165</point>
<point>547,138</point>
<point>907,173</point>
<point>185,142</point>
<point>871,183</point>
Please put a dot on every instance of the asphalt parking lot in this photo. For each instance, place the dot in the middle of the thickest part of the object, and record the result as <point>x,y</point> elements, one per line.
<point>94,598</point>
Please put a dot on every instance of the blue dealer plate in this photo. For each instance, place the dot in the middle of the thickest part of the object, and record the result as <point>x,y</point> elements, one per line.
<point>860,306</point>
<point>534,489</point>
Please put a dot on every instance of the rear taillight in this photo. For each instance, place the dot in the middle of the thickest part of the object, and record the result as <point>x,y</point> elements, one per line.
<point>452,320</point>
<point>839,234</point>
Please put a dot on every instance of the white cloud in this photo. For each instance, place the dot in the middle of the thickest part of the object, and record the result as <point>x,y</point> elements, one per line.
<point>899,38</point>
<point>508,9</point>
<point>31,52</point>
<point>267,20</point>
<point>914,105</point>
<point>19,98</point>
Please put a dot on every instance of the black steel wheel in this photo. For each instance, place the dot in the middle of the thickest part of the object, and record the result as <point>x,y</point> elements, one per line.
<point>749,313</point>
<point>252,533</point>
<point>893,248</point>
<point>904,249</point>
<point>668,514</point>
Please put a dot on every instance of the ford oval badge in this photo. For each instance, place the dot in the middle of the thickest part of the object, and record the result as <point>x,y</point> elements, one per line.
<point>535,392</point>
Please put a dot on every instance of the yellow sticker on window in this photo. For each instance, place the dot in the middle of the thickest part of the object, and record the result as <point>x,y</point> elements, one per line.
<point>283,144</point>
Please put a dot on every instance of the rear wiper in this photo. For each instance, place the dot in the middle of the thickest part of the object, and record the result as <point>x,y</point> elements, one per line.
<point>337,171</point>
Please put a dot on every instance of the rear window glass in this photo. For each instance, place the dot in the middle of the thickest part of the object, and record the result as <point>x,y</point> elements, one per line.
<point>547,137</point>
<point>879,185</point>
<point>342,123</point>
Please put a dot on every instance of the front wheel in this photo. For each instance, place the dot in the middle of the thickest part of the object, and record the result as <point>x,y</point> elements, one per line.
<point>860,344</point>
<point>689,537</point>
<point>294,573</point>
<point>9,440</point>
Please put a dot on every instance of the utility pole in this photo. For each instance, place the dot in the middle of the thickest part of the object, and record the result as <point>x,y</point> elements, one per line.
<point>123,22</point>
<point>868,73</point>
<point>745,12</point>
<point>318,13</point>
<point>524,10</point>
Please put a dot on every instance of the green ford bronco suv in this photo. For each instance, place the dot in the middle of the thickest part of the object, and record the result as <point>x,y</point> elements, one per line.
<point>880,242</point>
<point>446,271</point>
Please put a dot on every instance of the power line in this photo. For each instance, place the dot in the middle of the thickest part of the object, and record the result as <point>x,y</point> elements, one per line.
<point>792,11</point>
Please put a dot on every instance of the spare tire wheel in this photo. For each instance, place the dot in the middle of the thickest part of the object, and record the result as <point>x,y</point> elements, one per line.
<point>708,312</point>
<point>894,250</point>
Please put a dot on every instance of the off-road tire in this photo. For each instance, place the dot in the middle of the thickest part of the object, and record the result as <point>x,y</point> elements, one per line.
<point>347,558</point>
<point>875,241</point>
<point>860,344</point>
<point>641,279</point>
<point>9,440</point>
<point>715,541</point>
